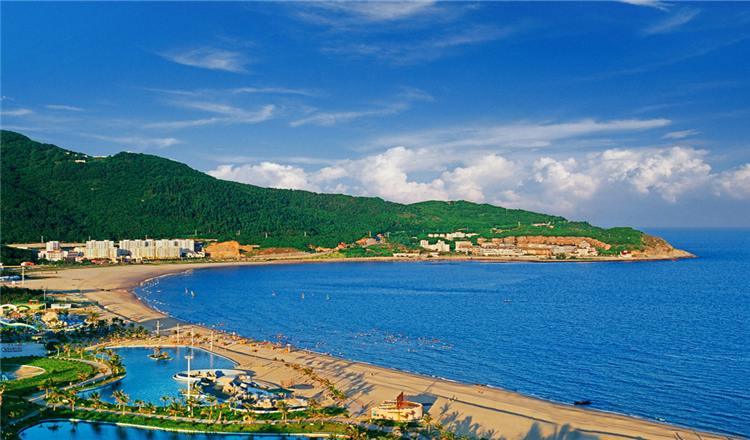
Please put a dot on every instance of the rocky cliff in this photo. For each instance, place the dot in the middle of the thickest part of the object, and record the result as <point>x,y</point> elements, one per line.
<point>658,248</point>
<point>538,239</point>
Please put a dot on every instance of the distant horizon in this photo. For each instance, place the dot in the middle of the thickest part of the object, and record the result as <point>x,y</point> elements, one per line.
<point>625,113</point>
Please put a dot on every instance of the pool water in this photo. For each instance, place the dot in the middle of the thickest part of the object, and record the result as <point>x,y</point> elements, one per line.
<point>148,379</point>
<point>100,431</point>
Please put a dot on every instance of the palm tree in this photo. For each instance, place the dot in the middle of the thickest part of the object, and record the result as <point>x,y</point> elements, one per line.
<point>249,409</point>
<point>447,435</point>
<point>205,411</point>
<point>150,407</point>
<point>82,376</point>
<point>66,349</point>
<point>139,403</point>
<point>221,407</point>
<point>353,433</point>
<point>284,408</point>
<point>54,397</point>
<point>79,351</point>
<point>175,407</point>
<point>192,402</point>
<point>96,398</point>
<point>313,407</point>
<point>71,397</point>
<point>211,400</point>
<point>427,421</point>
<point>46,386</point>
<point>121,398</point>
<point>165,399</point>
<point>103,370</point>
<point>115,363</point>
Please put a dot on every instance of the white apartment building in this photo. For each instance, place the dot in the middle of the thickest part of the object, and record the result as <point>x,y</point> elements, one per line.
<point>440,246</point>
<point>53,252</point>
<point>151,249</point>
<point>99,249</point>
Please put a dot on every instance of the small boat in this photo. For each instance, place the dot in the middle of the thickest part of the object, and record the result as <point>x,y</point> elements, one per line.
<point>582,402</point>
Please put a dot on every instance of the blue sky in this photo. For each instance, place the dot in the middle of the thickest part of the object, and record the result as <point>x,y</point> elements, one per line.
<point>619,113</point>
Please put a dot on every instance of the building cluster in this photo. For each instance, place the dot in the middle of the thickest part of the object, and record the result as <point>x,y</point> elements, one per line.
<point>125,250</point>
<point>453,235</point>
<point>498,247</point>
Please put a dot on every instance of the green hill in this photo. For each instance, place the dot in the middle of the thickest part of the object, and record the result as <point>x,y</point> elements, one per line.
<point>67,196</point>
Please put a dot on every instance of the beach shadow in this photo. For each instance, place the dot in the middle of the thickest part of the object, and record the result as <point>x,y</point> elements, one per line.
<point>565,432</point>
<point>427,400</point>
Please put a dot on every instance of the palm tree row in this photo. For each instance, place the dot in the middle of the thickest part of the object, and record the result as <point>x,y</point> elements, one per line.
<point>325,383</point>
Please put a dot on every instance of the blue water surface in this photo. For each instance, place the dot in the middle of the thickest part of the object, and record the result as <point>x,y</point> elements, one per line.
<point>148,379</point>
<point>90,431</point>
<point>664,340</point>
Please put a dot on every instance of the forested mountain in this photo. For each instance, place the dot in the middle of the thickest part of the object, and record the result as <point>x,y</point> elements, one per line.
<point>67,196</point>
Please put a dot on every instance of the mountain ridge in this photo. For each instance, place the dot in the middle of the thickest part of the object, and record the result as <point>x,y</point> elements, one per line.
<point>68,196</point>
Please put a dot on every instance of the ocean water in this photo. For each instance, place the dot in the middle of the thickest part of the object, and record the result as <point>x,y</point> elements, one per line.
<point>665,340</point>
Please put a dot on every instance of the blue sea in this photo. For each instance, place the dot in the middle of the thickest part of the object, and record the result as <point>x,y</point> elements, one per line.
<point>664,340</point>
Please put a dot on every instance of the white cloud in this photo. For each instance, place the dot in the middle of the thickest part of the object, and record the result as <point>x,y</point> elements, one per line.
<point>348,14</point>
<point>516,135</point>
<point>673,22</point>
<point>735,183</point>
<point>230,115</point>
<point>403,103</point>
<point>680,134</point>
<point>670,172</point>
<point>478,175</point>
<point>210,58</point>
<point>329,119</point>
<point>406,51</point>
<point>561,179</point>
<point>651,3</point>
<point>385,175</point>
<point>19,112</point>
<point>272,90</point>
<point>64,107</point>
<point>139,142</point>
<point>266,174</point>
<point>560,183</point>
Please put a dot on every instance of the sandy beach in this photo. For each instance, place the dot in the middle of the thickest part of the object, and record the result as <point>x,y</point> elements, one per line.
<point>465,409</point>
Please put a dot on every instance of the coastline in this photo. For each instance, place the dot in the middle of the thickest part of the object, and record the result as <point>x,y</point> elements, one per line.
<point>471,410</point>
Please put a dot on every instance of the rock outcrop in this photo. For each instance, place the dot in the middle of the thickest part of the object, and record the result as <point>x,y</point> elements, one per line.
<point>539,239</point>
<point>658,248</point>
<point>227,249</point>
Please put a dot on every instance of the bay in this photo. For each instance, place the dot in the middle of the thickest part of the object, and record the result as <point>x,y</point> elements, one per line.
<point>664,340</point>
